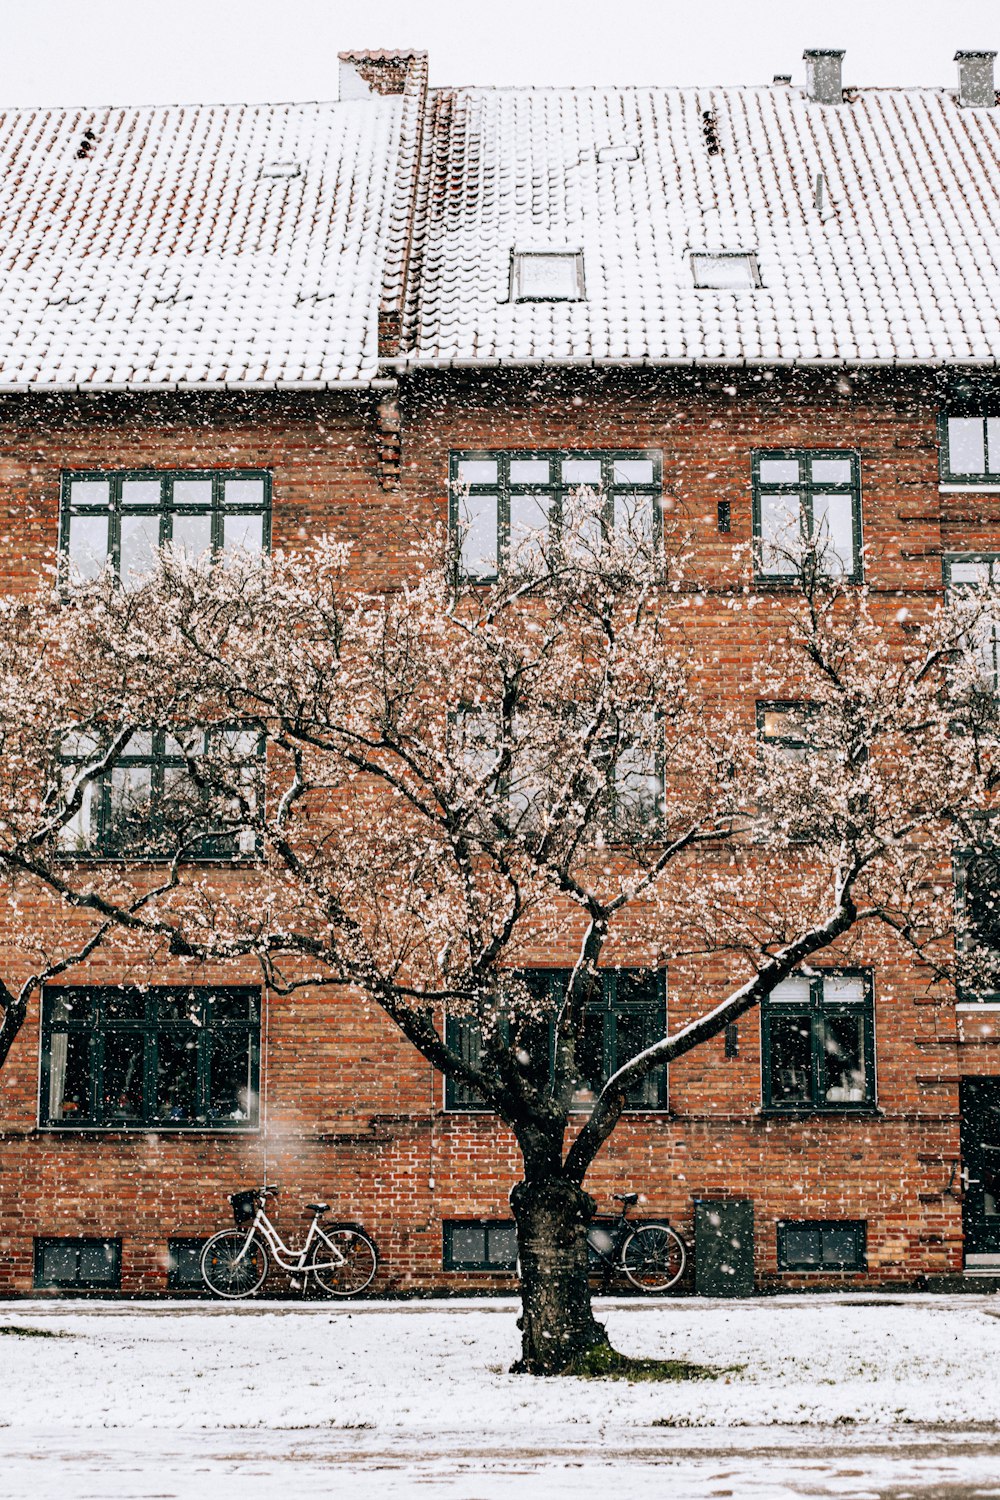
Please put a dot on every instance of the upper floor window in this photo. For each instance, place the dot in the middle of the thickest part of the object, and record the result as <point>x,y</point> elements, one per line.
<point>725,270</point>
<point>506,506</point>
<point>157,1058</point>
<point>628,1017</point>
<point>970,449</point>
<point>785,726</point>
<point>807,500</point>
<point>818,1049</point>
<point>974,571</point>
<point>546,276</point>
<point>188,791</point>
<point>123,517</point>
<point>977,901</point>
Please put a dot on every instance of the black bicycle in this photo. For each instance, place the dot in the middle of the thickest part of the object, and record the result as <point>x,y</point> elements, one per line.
<point>651,1255</point>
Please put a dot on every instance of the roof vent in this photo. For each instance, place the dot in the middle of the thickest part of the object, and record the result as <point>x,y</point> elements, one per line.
<point>88,140</point>
<point>782,78</point>
<point>710,130</point>
<point>618,151</point>
<point>975,78</point>
<point>280,169</point>
<point>823,76</point>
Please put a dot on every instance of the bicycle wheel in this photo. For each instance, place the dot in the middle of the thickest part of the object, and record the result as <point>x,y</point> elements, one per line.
<point>231,1267</point>
<point>343,1262</point>
<point>653,1257</point>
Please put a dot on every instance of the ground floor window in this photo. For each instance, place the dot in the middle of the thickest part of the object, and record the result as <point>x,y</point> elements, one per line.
<point>172,1058</point>
<point>69,1263</point>
<point>818,1047</point>
<point>184,1265</point>
<point>821,1245</point>
<point>480,1245</point>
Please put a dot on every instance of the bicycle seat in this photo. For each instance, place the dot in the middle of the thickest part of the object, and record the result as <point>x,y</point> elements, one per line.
<point>626,1197</point>
<point>318,1208</point>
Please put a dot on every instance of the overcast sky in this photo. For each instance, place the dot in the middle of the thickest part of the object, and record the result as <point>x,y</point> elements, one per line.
<point>154,51</point>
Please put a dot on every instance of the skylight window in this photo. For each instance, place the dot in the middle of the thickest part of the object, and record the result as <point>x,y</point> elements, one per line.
<point>726,270</point>
<point>546,276</point>
<point>280,169</point>
<point>618,151</point>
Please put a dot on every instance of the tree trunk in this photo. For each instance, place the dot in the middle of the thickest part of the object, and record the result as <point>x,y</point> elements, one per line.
<point>557,1324</point>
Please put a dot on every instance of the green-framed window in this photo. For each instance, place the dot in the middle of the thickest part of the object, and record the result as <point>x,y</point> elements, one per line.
<point>784,725</point>
<point>78,1263</point>
<point>165,1057</point>
<point>150,803</point>
<point>822,1244</point>
<point>969,445</point>
<point>479,1245</point>
<point>502,503</point>
<point>977,922</point>
<point>818,1042</point>
<point>122,515</point>
<point>184,1264</point>
<point>969,572</point>
<point>806,497</point>
<point>627,1018</point>
<point>627,778</point>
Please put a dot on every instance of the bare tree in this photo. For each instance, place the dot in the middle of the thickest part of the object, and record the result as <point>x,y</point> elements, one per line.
<point>433,786</point>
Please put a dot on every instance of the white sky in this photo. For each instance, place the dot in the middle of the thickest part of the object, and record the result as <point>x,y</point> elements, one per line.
<point>155,51</point>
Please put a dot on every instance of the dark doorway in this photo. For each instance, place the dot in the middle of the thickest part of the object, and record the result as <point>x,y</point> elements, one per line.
<point>980,1102</point>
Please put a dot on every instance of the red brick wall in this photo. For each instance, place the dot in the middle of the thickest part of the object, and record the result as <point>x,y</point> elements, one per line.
<point>352,1112</point>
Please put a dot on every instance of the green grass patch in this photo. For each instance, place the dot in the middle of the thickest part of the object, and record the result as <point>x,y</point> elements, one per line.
<point>604,1363</point>
<point>20,1331</point>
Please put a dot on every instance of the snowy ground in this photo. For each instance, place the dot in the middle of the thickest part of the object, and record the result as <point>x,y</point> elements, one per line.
<point>838,1396</point>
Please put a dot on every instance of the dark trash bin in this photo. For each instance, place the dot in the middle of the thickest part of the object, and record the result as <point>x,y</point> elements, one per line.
<point>723,1247</point>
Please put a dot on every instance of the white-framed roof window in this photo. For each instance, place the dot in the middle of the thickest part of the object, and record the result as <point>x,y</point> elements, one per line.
<point>726,270</point>
<point>546,276</point>
<point>280,169</point>
<point>618,151</point>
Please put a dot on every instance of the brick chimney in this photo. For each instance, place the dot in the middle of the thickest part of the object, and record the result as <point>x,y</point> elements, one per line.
<point>975,78</point>
<point>823,76</point>
<point>383,71</point>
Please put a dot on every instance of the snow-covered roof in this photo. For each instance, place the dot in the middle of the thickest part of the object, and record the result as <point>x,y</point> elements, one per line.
<point>875,223</point>
<point>206,245</point>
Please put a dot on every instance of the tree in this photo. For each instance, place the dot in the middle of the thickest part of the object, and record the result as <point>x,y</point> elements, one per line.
<point>461,778</point>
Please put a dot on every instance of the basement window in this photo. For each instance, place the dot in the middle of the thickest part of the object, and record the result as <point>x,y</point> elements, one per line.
<point>72,1264</point>
<point>821,1245</point>
<point>184,1265</point>
<point>480,1245</point>
<point>546,276</point>
<point>725,270</point>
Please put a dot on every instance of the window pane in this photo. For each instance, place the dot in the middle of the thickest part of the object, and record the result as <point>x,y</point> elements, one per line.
<point>244,492</point>
<point>529,529</point>
<point>90,492</point>
<point>966,453</point>
<point>791,1058</point>
<point>637,785</point>
<point>231,1096</point>
<point>69,1076</point>
<point>468,1244</point>
<point>577,471</point>
<point>839,1247</point>
<point>844,1052</point>
<point>146,492</point>
<point>843,989</point>
<point>193,492</point>
<point>179,1005</point>
<point>501,1246</point>
<point>590,1058</point>
<point>243,533</point>
<point>728,271</point>
<point>78,832</point>
<point>59,1264</point>
<point>831,470</point>
<point>176,1078</point>
<point>833,532</point>
<point>802,1247</point>
<point>477,471</point>
<point>634,518</point>
<point>130,798</point>
<point>632,471</point>
<point>184,1263</point>
<point>477,521</point>
<point>796,989</point>
<point>547,276</point>
<point>779,471</point>
<point>233,1005</point>
<point>140,539</point>
<point>525,471</point>
<point>993,444</point>
<point>88,545</point>
<point>97,1263</point>
<point>977,573</point>
<point>780,533</point>
<point>123,1059</point>
<point>124,1005</point>
<point>193,534</point>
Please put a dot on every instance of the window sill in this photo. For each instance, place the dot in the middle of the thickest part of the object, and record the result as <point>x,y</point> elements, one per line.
<point>167,1128</point>
<point>967,487</point>
<point>820,1111</point>
<point>160,861</point>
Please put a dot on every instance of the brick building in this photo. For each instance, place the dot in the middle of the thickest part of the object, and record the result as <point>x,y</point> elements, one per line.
<point>235,325</point>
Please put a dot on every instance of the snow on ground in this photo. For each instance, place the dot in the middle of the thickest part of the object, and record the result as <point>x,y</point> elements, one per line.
<point>835,1395</point>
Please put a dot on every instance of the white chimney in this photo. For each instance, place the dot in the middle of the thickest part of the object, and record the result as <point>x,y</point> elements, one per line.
<point>823,76</point>
<point>975,78</point>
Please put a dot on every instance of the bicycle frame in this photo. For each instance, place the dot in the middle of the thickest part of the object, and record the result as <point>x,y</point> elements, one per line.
<point>285,1256</point>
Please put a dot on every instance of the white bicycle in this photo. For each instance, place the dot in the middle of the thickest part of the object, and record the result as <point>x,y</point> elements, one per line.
<point>340,1258</point>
